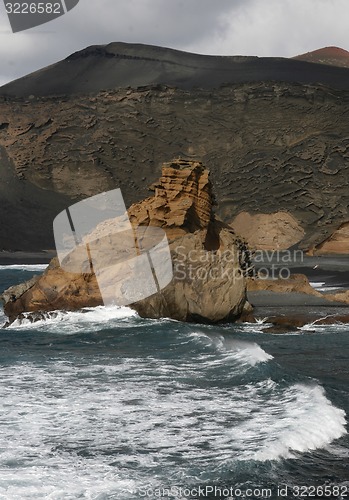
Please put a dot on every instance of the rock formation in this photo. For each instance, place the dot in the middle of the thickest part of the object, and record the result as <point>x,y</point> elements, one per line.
<point>209,260</point>
<point>280,302</point>
<point>278,231</point>
<point>296,283</point>
<point>337,243</point>
<point>275,136</point>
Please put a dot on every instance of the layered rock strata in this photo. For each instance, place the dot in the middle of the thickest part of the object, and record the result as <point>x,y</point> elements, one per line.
<point>272,148</point>
<point>209,260</point>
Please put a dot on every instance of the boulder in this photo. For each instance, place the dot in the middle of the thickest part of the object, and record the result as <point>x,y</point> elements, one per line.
<point>276,231</point>
<point>209,261</point>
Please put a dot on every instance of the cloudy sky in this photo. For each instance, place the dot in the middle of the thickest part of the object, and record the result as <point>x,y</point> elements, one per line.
<point>225,27</point>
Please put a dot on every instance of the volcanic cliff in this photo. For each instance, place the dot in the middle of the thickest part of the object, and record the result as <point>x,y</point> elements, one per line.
<point>274,132</point>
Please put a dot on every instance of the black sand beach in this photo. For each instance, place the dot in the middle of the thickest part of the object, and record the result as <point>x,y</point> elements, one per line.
<point>12,258</point>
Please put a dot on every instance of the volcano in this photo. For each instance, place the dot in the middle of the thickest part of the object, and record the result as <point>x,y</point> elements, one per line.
<point>330,56</point>
<point>122,65</point>
<point>272,131</point>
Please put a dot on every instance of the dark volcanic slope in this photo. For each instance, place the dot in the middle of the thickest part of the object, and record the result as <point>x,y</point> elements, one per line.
<point>26,211</point>
<point>118,65</point>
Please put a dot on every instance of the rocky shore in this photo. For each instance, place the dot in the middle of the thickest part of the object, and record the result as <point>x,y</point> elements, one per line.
<point>210,262</point>
<point>286,305</point>
<point>214,278</point>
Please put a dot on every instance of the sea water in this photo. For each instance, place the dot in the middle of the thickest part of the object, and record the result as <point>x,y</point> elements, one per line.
<point>101,404</point>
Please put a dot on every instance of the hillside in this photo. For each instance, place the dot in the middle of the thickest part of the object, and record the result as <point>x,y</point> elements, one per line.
<point>121,65</point>
<point>272,146</point>
<point>330,56</point>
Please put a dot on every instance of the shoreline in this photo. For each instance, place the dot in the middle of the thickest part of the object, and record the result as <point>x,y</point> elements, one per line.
<point>331,271</point>
<point>285,311</point>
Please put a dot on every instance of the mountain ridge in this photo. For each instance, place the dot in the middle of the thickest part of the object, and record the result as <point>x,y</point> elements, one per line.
<point>272,147</point>
<point>121,65</point>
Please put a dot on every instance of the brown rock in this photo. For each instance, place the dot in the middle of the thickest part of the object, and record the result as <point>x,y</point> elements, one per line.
<point>276,231</point>
<point>280,329</point>
<point>338,297</point>
<point>297,286</point>
<point>285,324</point>
<point>297,283</point>
<point>209,260</point>
<point>337,243</point>
<point>182,202</point>
<point>14,292</point>
<point>207,287</point>
<point>55,289</point>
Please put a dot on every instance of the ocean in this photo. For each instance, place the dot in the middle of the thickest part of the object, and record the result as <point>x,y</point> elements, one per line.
<point>102,404</point>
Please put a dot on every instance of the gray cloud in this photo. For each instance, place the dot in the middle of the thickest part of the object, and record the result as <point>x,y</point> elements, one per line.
<point>251,27</point>
<point>282,28</point>
<point>175,23</point>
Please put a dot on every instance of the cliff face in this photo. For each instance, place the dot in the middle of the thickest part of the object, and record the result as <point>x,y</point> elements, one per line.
<point>271,148</point>
<point>209,261</point>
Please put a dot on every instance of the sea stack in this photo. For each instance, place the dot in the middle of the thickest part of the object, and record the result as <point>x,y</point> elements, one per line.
<point>209,260</point>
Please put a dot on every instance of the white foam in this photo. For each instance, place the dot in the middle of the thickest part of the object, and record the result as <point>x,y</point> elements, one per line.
<point>317,284</point>
<point>316,326</point>
<point>246,352</point>
<point>320,286</point>
<point>309,422</point>
<point>261,321</point>
<point>24,267</point>
<point>3,318</point>
<point>83,428</point>
<point>78,319</point>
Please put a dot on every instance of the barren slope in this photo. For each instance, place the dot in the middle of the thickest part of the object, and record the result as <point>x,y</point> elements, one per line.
<point>105,67</point>
<point>331,56</point>
<point>271,147</point>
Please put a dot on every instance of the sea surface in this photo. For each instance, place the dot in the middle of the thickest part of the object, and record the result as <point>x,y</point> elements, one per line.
<point>102,404</point>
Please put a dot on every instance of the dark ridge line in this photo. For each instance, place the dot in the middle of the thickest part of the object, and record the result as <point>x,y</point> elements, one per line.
<point>109,55</point>
<point>335,93</point>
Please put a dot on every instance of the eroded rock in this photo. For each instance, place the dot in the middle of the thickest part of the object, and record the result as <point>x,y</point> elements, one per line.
<point>209,260</point>
<point>276,231</point>
<point>337,243</point>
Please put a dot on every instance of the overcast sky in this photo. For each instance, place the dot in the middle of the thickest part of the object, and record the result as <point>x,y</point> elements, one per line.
<point>226,27</point>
